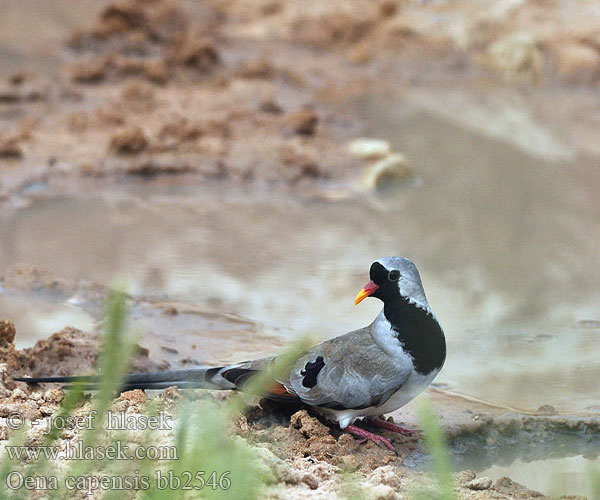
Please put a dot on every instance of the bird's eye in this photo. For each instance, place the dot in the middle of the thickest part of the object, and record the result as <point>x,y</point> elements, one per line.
<point>394,275</point>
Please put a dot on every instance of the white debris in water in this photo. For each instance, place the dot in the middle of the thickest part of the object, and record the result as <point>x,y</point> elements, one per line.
<point>390,170</point>
<point>369,149</point>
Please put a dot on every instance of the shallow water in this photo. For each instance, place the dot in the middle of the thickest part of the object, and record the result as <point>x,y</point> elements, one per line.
<point>35,315</point>
<point>553,476</point>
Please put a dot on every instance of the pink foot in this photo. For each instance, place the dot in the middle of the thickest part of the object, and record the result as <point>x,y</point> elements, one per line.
<point>369,436</point>
<point>391,427</point>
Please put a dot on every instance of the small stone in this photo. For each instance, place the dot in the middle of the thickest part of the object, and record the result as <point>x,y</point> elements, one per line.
<point>480,483</point>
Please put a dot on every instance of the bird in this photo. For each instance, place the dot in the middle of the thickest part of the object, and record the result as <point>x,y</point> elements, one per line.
<point>365,373</point>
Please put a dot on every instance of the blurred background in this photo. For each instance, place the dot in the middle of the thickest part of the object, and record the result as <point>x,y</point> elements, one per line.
<point>253,158</point>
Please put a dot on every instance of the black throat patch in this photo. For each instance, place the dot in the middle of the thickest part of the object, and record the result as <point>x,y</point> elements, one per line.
<point>419,333</point>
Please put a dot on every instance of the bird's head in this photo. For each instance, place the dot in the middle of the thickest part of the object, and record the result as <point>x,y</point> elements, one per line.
<point>391,278</point>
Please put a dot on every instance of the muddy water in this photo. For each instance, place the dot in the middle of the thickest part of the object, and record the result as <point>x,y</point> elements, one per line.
<point>555,477</point>
<point>36,315</point>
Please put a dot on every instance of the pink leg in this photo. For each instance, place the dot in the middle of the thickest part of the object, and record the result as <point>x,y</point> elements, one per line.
<point>357,431</point>
<point>391,427</point>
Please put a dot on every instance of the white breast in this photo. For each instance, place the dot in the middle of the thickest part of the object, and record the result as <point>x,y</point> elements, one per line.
<point>414,386</point>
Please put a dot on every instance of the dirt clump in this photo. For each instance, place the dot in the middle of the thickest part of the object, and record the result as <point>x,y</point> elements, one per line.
<point>131,21</point>
<point>270,106</point>
<point>190,50</point>
<point>129,141</point>
<point>308,425</point>
<point>92,70</point>
<point>578,63</point>
<point>22,89</point>
<point>143,39</point>
<point>8,356</point>
<point>515,490</point>
<point>7,333</point>
<point>10,148</point>
<point>131,401</point>
<point>178,131</point>
<point>303,121</point>
<point>308,436</point>
<point>68,352</point>
<point>31,278</point>
<point>137,97</point>
<point>120,17</point>
<point>64,353</point>
<point>257,68</point>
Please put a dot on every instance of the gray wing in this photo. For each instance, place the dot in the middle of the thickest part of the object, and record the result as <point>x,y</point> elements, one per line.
<point>350,371</point>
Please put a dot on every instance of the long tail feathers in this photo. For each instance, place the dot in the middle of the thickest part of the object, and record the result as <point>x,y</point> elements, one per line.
<point>221,378</point>
<point>207,378</point>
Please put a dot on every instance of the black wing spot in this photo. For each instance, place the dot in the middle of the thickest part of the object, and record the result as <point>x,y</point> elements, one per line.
<point>310,372</point>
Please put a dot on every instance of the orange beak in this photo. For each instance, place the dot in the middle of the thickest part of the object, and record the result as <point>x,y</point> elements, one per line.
<point>369,289</point>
